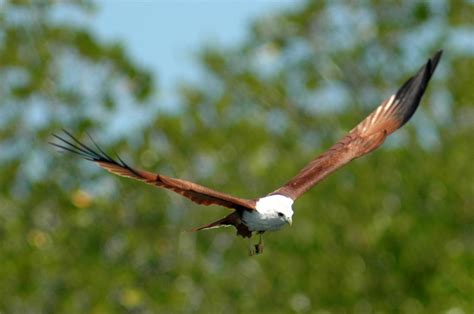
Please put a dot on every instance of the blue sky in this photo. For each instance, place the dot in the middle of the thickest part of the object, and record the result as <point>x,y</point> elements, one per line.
<point>165,35</point>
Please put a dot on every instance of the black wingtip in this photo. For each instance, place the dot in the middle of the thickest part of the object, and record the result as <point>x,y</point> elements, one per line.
<point>71,144</point>
<point>410,94</point>
<point>435,59</point>
<point>433,62</point>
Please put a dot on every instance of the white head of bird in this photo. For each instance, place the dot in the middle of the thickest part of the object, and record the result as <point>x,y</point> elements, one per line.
<point>272,213</point>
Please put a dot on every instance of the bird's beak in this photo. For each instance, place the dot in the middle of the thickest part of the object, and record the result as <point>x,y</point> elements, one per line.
<point>289,221</point>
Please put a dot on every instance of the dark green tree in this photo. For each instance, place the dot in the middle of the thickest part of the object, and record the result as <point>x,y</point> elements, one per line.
<point>391,232</point>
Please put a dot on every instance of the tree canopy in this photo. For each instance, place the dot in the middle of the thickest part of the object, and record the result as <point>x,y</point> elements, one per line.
<point>391,232</point>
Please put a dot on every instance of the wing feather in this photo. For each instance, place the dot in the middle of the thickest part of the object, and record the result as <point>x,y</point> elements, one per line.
<point>391,114</point>
<point>195,192</point>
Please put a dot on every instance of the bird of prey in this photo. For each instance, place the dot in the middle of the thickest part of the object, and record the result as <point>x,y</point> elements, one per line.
<point>274,210</point>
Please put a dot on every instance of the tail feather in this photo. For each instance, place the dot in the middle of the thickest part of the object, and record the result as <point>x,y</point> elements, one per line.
<point>227,221</point>
<point>233,219</point>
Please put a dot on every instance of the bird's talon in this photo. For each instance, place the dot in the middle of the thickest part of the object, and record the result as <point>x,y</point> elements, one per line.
<point>259,248</point>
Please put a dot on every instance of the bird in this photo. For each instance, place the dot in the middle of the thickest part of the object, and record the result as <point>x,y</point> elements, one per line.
<point>274,210</point>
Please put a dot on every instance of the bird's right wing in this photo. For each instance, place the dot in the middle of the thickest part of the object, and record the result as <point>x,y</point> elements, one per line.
<point>195,192</point>
<point>390,115</point>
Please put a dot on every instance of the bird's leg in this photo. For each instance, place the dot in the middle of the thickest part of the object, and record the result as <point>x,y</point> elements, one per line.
<point>259,245</point>
<point>251,249</point>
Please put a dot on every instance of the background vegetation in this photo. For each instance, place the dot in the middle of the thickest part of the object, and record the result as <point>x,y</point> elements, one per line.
<point>390,233</point>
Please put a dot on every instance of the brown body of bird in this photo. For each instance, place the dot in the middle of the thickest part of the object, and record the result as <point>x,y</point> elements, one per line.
<point>274,210</point>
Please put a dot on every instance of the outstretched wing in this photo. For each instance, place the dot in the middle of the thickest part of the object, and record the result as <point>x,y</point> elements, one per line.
<point>195,192</point>
<point>391,114</point>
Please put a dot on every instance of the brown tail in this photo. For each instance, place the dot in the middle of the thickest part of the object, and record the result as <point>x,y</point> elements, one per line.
<point>229,220</point>
<point>234,219</point>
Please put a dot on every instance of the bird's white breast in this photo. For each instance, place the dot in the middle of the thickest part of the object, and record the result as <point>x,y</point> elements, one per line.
<point>265,217</point>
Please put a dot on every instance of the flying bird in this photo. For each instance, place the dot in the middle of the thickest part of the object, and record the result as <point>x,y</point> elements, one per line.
<point>274,210</point>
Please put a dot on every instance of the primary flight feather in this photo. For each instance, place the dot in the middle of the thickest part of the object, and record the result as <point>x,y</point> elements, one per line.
<point>274,210</point>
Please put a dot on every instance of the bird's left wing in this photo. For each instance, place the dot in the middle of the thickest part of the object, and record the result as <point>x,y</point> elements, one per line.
<point>195,192</point>
<point>390,115</point>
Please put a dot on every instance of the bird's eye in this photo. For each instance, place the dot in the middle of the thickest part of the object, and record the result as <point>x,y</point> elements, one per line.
<point>280,215</point>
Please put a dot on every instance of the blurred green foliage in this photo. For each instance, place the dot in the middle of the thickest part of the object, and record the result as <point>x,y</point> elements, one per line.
<point>390,233</point>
